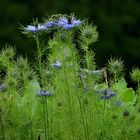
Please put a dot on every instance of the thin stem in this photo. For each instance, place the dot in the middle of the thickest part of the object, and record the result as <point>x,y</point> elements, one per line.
<point>2,128</point>
<point>81,107</point>
<point>90,79</point>
<point>44,113</point>
<point>69,97</point>
<point>83,120</point>
<point>87,59</point>
<point>105,77</point>
<point>39,55</point>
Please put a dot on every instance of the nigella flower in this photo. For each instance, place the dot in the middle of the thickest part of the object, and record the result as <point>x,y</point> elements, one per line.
<point>68,23</point>
<point>107,94</point>
<point>50,24</point>
<point>57,64</point>
<point>119,103</point>
<point>39,27</point>
<point>95,72</point>
<point>45,93</point>
<point>2,87</point>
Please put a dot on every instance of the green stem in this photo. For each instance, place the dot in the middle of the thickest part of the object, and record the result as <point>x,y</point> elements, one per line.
<point>69,98</point>
<point>90,79</point>
<point>138,88</point>
<point>115,80</point>
<point>39,55</point>
<point>87,59</point>
<point>83,120</point>
<point>81,106</point>
<point>45,113</point>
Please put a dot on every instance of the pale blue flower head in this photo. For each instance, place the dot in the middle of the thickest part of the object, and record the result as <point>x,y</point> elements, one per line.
<point>51,24</point>
<point>39,27</point>
<point>2,87</point>
<point>107,94</point>
<point>57,64</point>
<point>68,23</point>
<point>45,93</point>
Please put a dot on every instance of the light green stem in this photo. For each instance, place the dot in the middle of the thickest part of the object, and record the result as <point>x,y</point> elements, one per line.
<point>39,55</point>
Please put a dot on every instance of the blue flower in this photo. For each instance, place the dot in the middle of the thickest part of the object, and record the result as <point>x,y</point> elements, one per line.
<point>68,23</point>
<point>50,24</point>
<point>95,72</point>
<point>39,27</point>
<point>2,87</point>
<point>119,103</point>
<point>57,64</point>
<point>45,93</point>
<point>107,94</point>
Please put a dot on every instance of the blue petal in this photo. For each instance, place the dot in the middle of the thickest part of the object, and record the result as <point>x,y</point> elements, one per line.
<point>2,87</point>
<point>57,64</point>
<point>50,24</point>
<point>31,28</point>
<point>45,93</point>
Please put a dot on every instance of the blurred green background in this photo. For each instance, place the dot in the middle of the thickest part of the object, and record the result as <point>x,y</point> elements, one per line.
<point>118,23</point>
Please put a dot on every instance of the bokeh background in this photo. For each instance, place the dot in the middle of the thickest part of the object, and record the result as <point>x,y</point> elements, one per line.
<point>118,23</point>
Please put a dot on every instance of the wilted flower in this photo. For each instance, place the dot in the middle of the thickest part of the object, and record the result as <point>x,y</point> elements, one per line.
<point>57,64</point>
<point>39,27</point>
<point>107,94</point>
<point>45,93</point>
<point>68,23</point>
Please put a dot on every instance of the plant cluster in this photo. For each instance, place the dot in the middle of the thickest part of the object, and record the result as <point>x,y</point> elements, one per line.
<point>62,95</point>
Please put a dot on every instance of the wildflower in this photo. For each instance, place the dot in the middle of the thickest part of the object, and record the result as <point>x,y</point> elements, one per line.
<point>119,103</point>
<point>50,24</point>
<point>45,93</point>
<point>95,72</point>
<point>107,94</point>
<point>68,23</point>
<point>57,64</point>
<point>2,87</point>
<point>34,29</point>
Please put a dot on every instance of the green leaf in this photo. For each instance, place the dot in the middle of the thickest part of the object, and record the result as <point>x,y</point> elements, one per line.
<point>120,86</point>
<point>33,87</point>
<point>129,96</point>
<point>29,101</point>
